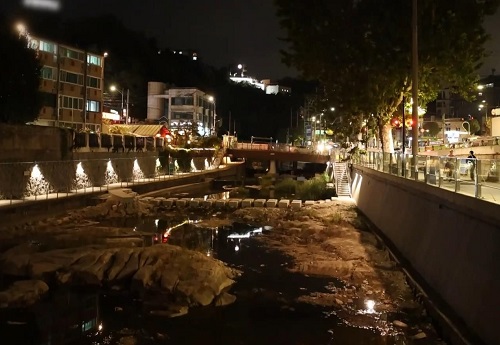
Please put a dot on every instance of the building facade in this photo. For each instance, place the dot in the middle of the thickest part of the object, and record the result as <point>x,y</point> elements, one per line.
<point>71,86</point>
<point>181,108</point>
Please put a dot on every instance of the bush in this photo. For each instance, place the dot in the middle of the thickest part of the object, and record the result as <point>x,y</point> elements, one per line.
<point>239,192</point>
<point>314,189</point>
<point>286,188</point>
<point>208,142</point>
<point>184,161</point>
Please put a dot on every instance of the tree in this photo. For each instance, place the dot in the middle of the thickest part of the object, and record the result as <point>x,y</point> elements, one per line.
<point>474,126</point>
<point>360,50</point>
<point>432,128</point>
<point>20,100</point>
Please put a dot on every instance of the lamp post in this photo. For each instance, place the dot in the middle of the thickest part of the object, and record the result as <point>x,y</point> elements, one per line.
<point>484,106</point>
<point>212,99</point>
<point>314,128</point>
<point>113,88</point>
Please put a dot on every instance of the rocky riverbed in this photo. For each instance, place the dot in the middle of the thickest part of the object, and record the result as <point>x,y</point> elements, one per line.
<point>361,286</point>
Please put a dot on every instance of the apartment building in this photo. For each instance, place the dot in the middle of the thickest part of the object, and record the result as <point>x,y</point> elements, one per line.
<point>181,108</point>
<point>71,85</point>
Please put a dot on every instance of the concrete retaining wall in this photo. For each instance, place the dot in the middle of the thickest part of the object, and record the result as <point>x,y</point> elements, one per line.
<point>21,143</point>
<point>452,241</point>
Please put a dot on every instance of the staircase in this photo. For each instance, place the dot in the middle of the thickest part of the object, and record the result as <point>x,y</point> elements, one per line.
<point>342,179</point>
<point>218,157</point>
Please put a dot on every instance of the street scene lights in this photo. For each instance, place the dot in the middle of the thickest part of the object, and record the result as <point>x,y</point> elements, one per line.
<point>113,88</point>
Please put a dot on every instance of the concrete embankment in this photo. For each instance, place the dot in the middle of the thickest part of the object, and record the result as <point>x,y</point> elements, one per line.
<point>450,243</point>
<point>33,210</point>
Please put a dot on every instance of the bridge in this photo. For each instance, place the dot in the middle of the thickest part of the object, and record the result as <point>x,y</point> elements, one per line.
<point>276,153</point>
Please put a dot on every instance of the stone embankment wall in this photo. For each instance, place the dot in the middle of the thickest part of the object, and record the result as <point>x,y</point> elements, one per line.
<point>450,240</point>
<point>34,143</point>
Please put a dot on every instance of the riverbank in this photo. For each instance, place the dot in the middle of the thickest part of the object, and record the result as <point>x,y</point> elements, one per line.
<point>320,262</point>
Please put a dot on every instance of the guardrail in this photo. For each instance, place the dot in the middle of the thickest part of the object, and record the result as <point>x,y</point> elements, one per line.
<point>83,141</point>
<point>29,181</point>
<point>275,147</point>
<point>478,178</point>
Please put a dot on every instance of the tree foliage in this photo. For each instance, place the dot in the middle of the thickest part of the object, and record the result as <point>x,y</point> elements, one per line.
<point>19,96</point>
<point>360,50</point>
<point>432,128</point>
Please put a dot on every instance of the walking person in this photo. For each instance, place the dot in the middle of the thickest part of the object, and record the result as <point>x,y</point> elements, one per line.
<point>471,159</point>
<point>450,166</point>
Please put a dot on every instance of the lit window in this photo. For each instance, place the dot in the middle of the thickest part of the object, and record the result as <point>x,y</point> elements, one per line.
<point>94,60</point>
<point>47,47</point>
<point>94,106</point>
<point>47,73</point>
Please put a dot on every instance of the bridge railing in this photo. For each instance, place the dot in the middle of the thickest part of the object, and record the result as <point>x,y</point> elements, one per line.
<point>275,147</point>
<point>477,178</point>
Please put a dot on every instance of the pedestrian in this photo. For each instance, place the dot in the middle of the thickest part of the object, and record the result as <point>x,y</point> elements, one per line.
<point>471,160</point>
<point>450,166</point>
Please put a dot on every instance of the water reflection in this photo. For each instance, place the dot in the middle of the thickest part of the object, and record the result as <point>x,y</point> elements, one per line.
<point>188,233</point>
<point>64,318</point>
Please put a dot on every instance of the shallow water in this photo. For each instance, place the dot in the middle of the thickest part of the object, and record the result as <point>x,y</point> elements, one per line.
<point>265,311</point>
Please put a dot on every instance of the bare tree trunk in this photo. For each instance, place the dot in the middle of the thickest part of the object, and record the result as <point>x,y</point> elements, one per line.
<point>385,133</point>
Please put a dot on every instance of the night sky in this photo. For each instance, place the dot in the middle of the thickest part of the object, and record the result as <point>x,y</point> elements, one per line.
<point>223,32</point>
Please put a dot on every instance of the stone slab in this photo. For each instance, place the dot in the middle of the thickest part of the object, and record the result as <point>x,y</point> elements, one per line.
<point>194,203</point>
<point>309,202</point>
<point>247,203</point>
<point>121,194</point>
<point>234,203</point>
<point>259,203</point>
<point>284,203</point>
<point>181,202</point>
<point>170,202</point>
<point>272,203</point>
<point>220,203</point>
<point>209,203</point>
<point>296,204</point>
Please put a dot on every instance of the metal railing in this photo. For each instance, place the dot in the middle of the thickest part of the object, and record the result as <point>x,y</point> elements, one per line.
<point>275,147</point>
<point>30,181</point>
<point>477,178</point>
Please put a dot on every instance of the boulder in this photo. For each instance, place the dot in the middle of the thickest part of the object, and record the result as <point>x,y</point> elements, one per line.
<point>23,293</point>
<point>224,299</point>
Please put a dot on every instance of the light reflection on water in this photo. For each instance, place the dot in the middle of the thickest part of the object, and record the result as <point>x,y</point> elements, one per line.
<point>265,283</point>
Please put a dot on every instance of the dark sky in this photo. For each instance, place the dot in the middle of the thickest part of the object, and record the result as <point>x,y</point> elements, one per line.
<point>222,31</point>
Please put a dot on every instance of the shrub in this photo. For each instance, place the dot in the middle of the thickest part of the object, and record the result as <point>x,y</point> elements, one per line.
<point>286,187</point>
<point>184,161</point>
<point>239,192</point>
<point>313,189</point>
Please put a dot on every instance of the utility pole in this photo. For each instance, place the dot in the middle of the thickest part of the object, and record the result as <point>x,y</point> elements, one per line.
<point>128,101</point>
<point>414,144</point>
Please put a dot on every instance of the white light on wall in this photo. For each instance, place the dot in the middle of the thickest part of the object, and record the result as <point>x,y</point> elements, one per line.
<point>137,172</point>
<point>110,176</point>
<point>37,185</point>
<point>35,172</point>
<point>81,179</point>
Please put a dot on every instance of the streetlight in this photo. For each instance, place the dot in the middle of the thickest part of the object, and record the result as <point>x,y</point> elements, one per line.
<point>485,122</point>
<point>113,88</point>
<point>212,99</point>
<point>242,68</point>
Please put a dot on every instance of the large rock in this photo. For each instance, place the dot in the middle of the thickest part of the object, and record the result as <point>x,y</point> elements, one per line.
<point>23,293</point>
<point>188,275</point>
